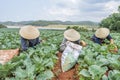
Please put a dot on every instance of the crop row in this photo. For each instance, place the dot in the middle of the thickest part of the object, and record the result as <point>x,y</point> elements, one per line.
<point>95,62</point>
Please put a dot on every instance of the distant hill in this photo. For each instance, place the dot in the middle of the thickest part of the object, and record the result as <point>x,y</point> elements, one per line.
<point>10,23</point>
<point>46,23</point>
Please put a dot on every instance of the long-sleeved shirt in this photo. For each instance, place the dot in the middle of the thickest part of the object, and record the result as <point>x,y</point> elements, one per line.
<point>100,41</point>
<point>63,44</point>
<point>25,43</point>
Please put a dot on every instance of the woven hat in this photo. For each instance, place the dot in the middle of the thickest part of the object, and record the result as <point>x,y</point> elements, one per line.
<point>71,35</point>
<point>102,33</point>
<point>29,32</point>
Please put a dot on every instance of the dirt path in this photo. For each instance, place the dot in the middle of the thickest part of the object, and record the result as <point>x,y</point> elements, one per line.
<point>69,75</point>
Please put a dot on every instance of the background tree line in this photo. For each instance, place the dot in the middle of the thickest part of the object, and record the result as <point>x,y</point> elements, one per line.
<point>2,26</point>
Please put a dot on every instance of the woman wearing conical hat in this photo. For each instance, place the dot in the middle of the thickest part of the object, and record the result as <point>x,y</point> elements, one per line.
<point>101,34</point>
<point>72,36</point>
<point>29,37</point>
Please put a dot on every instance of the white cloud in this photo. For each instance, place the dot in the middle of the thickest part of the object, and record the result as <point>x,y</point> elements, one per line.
<point>78,10</point>
<point>112,6</point>
<point>70,10</point>
<point>63,11</point>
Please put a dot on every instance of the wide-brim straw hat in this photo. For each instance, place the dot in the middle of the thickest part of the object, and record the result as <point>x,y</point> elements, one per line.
<point>102,33</point>
<point>29,32</point>
<point>71,35</point>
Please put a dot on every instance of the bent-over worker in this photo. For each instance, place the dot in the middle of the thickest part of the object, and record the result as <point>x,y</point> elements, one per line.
<point>29,37</point>
<point>101,34</point>
<point>72,36</point>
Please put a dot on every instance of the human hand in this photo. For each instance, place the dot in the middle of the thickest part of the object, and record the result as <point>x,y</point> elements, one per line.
<point>82,43</point>
<point>112,48</point>
<point>111,41</point>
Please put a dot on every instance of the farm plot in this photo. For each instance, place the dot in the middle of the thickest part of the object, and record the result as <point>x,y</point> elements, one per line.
<point>35,63</point>
<point>95,61</point>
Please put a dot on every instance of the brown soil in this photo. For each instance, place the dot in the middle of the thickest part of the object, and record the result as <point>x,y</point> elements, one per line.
<point>7,55</point>
<point>68,75</point>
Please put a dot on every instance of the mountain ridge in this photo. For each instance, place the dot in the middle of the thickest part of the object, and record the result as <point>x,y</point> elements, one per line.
<point>46,23</point>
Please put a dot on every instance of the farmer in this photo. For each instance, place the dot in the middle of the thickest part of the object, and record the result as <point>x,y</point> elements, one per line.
<point>29,37</point>
<point>72,36</point>
<point>101,34</point>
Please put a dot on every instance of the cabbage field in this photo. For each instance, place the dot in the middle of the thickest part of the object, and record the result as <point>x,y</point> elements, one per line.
<point>95,61</point>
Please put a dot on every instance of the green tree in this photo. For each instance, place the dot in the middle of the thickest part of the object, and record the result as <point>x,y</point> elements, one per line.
<point>2,26</point>
<point>112,21</point>
<point>117,26</point>
<point>119,9</point>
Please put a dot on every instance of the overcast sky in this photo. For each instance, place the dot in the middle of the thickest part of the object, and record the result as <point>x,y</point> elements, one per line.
<point>65,10</point>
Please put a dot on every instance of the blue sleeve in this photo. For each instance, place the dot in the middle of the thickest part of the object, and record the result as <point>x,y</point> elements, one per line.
<point>34,42</point>
<point>37,40</point>
<point>96,40</point>
<point>109,37</point>
<point>24,44</point>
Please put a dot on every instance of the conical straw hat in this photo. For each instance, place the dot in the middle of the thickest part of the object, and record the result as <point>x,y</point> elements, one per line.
<point>29,32</point>
<point>102,33</point>
<point>71,35</point>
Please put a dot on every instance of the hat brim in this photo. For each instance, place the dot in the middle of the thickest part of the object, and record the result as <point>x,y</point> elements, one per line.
<point>29,32</point>
<point>102,33</point>
<point>71,35</point>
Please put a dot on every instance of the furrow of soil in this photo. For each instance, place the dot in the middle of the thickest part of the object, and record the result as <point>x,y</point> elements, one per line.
<point>68,75</point>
